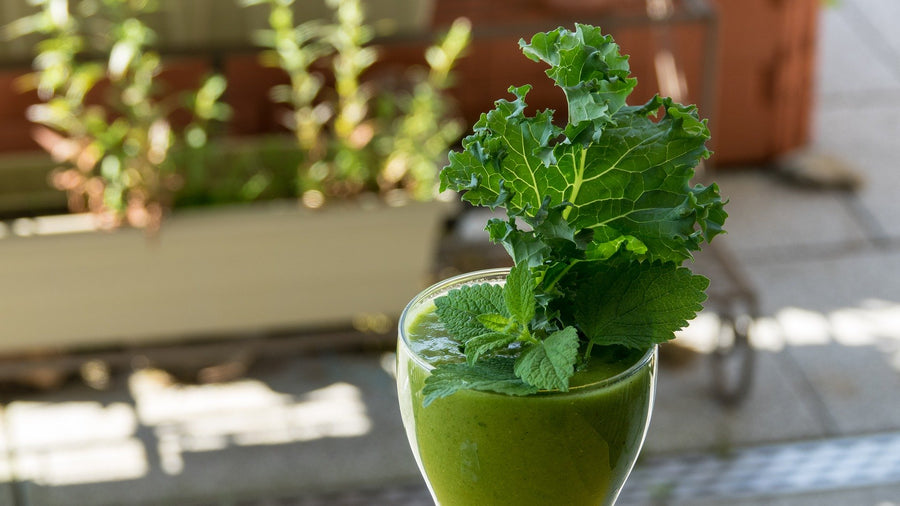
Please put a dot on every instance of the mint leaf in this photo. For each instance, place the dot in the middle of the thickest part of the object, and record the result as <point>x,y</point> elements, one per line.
<point>550,363</point>
<point>518,294</point>
<point>495,322</point>
<point>460,308</point>
<point>492,375</point>
<point>637,305</point>
<point>486,343</point>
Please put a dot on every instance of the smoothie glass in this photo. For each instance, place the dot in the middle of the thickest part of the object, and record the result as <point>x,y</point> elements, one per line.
<point>571,448</point>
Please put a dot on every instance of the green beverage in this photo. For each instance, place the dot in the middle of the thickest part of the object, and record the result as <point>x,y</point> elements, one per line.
<point>573,448</point>
<point>534,385</point>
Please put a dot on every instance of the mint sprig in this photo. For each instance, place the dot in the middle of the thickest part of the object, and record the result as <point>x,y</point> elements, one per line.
<point>460,312</point>
<point>488,317</point>
<point>548,364</point>
<point>600,216</point>
<point>489,375</point>
<point>545,360</point>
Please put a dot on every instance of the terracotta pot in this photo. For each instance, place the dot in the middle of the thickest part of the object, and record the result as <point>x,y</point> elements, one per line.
<point>15,129</point>
<point>763,63</point>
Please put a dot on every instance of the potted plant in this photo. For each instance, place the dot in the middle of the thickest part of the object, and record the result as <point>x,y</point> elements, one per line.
<point>215,270</point>
<point>356,137</point>
<point>107,123</point>
<point>534,385</point>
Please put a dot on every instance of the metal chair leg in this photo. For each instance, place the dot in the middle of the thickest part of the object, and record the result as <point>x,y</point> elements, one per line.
<point>733,360</point>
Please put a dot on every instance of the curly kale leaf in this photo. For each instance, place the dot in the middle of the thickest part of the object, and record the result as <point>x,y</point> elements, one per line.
<point>621,171</point>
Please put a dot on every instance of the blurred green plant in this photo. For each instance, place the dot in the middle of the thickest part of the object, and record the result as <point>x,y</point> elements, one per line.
<point>239,170</point>
<point>356,135</point>
<point>104,115</point>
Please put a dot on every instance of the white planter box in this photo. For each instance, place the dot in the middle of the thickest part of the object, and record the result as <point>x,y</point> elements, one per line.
<point>213,272</point>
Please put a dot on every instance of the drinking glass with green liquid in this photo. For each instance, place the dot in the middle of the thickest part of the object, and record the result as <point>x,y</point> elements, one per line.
<point>533,385</point>
<point>567,448</point>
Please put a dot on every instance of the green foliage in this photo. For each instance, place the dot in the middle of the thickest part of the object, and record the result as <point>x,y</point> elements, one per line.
<point>104,116</point>
<point>609,211</point>
<point>460,310</point>
<point>641,304</point>
<point>549,363</point>
<point>494,374</point>
<point>487,319</point>
<point>244,170</point>
<point>357,135</point>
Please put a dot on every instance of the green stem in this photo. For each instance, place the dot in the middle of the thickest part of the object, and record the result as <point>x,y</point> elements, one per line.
<point>548,287</point>
<point>587,353</point>
<point>525,335</point>
<point>576,185</point>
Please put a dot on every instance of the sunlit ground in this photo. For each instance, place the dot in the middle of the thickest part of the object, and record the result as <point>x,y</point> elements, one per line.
<point>86,442</point>
<point>872,323</point>
<point>160,421</point>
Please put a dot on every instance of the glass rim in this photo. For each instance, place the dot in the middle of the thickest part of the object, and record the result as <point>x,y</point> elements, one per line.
<point>448,284</point>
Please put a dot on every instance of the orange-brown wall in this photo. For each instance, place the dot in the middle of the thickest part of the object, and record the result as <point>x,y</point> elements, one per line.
<point>764,61</point>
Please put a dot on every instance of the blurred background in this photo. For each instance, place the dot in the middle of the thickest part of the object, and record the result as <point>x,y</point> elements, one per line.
<point>213,211</point>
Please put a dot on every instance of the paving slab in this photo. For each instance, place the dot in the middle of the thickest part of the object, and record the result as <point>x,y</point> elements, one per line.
<point>9,495</point>
<point>308,423</point>
<point>886,495</point>
<point>868,143</point>
<point>73,435</point>
<point>847,68</point>
<point>875,20</point>
<point>768,217</point>
<point>828,284</point>
<point>857,385</point>
<point>686,417</point>
<point>857,116</point>
<point>768,471</point>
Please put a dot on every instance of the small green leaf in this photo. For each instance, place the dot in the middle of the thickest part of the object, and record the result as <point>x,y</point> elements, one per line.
<point>550,222</point>
<point>550,363</point>
<point>460,308</point>
<point>518,293</point>
<point>605,250</point>
<point>492,375</point>
<point>522,246</point>
<point>486,343</point>
<point>503,156</point>
<point>494,322</point>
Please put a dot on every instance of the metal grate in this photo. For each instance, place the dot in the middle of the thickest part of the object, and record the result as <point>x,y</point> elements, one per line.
<point>773,470</point>
<point>409,495</point>
<point>764,471</point>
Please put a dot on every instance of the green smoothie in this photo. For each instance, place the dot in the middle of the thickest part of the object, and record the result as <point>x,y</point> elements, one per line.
<point>553,448</point>
<point>499,404</point>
